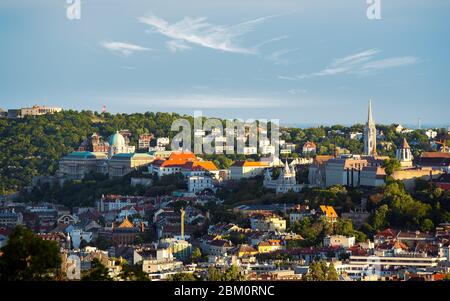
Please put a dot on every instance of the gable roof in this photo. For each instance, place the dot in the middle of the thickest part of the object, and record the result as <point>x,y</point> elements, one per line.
<point>328,211</point>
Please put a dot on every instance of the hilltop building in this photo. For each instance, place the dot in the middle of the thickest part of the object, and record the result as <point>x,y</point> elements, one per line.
<point>95,144</point>
<point>118,145</point>
<point>115,158</point>
<point>35,110</point>
<point>76,165</point>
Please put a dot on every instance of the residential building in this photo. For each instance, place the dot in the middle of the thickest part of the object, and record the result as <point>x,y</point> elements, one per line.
<point>247,169</point>
<point>199,183</point>
<point>266,223</point>
<point>10,218</point>
<point>339,241</point>
<point>329,213</point>
<point>270,246</point>
<point>144,141</point>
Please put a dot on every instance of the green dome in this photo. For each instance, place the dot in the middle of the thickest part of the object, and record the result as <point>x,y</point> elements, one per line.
<point>117,140</point>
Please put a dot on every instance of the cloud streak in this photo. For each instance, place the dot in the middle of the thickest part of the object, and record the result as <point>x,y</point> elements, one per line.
<point>202,101</point>
<point>199,32</point>
<point>361,63</point>
<point>122,48</point>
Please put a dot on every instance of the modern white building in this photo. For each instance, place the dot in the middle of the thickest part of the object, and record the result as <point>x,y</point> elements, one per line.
<point>199,183</point>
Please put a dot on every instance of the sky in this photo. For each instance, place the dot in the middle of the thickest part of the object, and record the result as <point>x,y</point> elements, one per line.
<point>302,62</point>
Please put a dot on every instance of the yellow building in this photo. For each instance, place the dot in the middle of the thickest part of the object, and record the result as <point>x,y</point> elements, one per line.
<point>270,246</point>
<point>246,250</point>
<point>247,169</point>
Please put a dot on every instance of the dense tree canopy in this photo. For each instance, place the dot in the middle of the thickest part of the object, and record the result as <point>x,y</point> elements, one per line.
<point>28,257</point>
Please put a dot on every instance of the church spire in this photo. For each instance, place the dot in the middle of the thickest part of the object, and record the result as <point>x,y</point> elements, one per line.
<point>370,134</point>
<point>370,117</point>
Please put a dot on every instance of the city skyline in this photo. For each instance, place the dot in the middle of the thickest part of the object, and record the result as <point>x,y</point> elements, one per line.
<point>302,63</point>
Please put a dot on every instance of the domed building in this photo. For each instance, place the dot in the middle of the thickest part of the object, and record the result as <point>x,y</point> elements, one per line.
<point>117,145</point>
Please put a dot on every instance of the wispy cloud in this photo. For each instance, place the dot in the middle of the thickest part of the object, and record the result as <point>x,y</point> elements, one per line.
<point>297,91</point>
<point>198,31</point>
<point>279,56</point>
<point>362,63</point>
<point>177,45</point>
<point>123,48</point>
<point>206,101</point>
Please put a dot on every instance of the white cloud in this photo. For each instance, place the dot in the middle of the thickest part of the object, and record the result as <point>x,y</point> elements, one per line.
<point>199,32</point>
<point>362,63</point>
<point>123,48</point>
<point>177,45</point>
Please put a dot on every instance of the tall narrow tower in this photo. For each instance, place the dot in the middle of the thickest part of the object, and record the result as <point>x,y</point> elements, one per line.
<point>370,134</point>
<point>182,223</point>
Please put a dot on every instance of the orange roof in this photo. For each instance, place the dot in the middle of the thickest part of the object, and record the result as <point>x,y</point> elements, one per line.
<point>250,164</point>
<point>435,155</point>
<point>208,165</point>
<point>328,211</point>
<point>182,156</point>
<point>126,223</point>
<point>310,144</point>
<point>179,159</point>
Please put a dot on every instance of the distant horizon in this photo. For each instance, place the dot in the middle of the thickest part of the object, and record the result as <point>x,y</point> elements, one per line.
<point>301,125</point>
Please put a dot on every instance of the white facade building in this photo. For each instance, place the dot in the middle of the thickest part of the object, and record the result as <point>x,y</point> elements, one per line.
<point>199,183</point>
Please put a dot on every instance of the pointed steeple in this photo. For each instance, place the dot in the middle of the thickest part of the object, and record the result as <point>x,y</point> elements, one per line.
<point>370,117</point>
<point>287,170</point>
<point>405,144</point>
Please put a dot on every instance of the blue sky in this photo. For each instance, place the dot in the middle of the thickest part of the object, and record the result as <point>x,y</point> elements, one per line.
<point>303,62</point>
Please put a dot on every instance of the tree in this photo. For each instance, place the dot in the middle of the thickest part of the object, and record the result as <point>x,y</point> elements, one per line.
<point>391,165</point>
<point>214,274</point>
<point>231,274</point>
<point>28,257</point>
<point>317,271</point>
<point>182,277</point>
<point>332,274</point>
<point>379,221</point>
<point>196,255</point>
<point>427,225</point>
<point>132,273</point>
<point>98,272</point>
<point>321,271</point>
